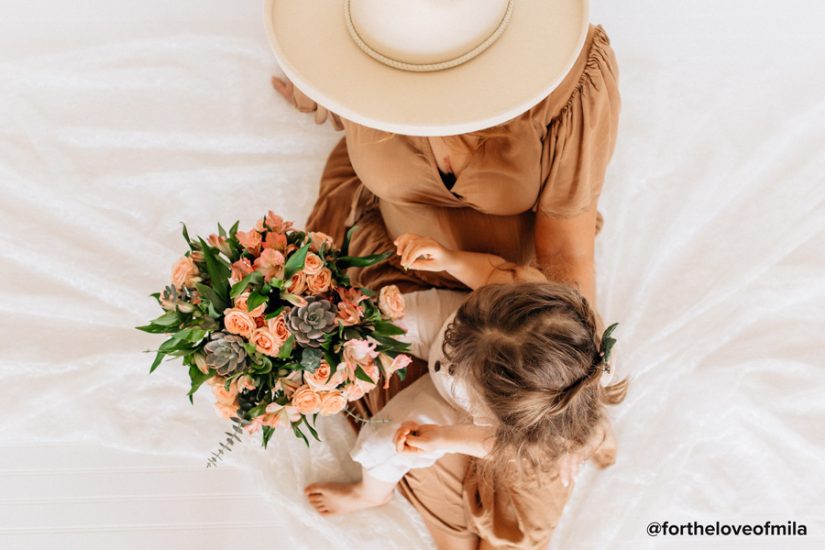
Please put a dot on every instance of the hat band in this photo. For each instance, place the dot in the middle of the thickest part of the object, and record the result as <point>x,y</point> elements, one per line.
<point>426,67</point>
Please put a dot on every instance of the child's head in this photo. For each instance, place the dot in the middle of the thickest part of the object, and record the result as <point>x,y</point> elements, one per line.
<point>532,353</point>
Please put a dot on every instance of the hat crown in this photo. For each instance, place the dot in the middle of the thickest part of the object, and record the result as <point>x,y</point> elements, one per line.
<point>426,31</point>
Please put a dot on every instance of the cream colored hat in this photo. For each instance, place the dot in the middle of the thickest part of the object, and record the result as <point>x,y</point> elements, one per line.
<point>427,67</point>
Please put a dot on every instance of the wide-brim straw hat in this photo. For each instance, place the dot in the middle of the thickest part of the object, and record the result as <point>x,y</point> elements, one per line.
<point>427,67</point>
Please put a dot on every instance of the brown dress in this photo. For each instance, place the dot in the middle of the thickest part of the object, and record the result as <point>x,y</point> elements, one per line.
<point>550,159</point>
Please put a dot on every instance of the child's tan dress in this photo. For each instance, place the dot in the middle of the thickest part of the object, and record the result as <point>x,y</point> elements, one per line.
<point>550,159</point>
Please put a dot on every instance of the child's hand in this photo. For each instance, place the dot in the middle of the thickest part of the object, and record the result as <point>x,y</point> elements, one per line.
<point>413,438</point>
<point>422,253</point>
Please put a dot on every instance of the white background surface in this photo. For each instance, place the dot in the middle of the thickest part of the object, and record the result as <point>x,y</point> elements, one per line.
<point>120,119</point>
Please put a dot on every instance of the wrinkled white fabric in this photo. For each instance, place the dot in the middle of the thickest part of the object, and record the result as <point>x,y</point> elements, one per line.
<point>118,120</point>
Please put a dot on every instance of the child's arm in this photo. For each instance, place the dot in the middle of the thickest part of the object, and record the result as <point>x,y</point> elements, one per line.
<point>474,269</point>
<point>467,439</point>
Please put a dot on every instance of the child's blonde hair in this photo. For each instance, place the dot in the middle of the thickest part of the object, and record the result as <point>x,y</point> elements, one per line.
<point>532,353</point>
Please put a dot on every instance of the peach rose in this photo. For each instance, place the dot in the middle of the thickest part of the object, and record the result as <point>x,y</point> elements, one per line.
<point>318,239</point>
<point>320,283</point>
<point>323,379</point>
<point>313,264</point>
<point>391,302</point>
<point>353,392</point>
<point>241,303</point>
<point>392,365</point>
<point>244,383</point>
<point>240,269</point>
<point>349,314</point>
<point>265,342</point>
<point>185,273</point>
<point>332,402</point>
<point>306,400</point>
<point>277,326</point>
<point>250,240</point>
<point>270,263</point>
<point>238,321</point>
<point>275,241</point>
<point>297,284</point>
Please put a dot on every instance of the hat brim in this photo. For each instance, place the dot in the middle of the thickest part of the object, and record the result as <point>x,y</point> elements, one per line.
<point>533,55</point>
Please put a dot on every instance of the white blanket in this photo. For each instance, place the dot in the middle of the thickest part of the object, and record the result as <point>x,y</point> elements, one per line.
<point>119,119</point>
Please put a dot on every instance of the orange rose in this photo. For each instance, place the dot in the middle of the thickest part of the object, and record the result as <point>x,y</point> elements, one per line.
<point>318,239</point>
<point>297,284</point>
<point>238,321</point>
<point>313,264</point>
<point>240,303</point>
<point>185,273</point>
<point>320,283</point>
<point>391,302</point>
<point>250,240</point>
<point>332,402</point>
<point>265,342</point>
<point>277,326</point>
<point>320,380</point>
<point>306,400</point>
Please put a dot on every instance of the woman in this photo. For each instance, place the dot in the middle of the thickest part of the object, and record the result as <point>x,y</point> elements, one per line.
<point>522,185</point>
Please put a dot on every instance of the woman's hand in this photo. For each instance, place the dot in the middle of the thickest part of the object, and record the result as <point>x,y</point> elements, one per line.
<point>422,253</point>
<point>414,438</point>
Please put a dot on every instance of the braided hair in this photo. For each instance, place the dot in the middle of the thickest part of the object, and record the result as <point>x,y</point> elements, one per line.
<point>531,352</point>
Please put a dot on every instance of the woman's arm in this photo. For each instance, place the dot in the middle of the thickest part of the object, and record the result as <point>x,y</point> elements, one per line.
<point>565,250</point>
<point>474,269</point>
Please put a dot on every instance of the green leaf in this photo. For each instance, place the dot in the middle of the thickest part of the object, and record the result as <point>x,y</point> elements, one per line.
<point>158,358</point>
<point>197,378</point>
<point>168,319</point>
<point>286,349</point>
<point>274,314</point>
<point>210,295</point>
<point>388,329</point>
<point>221,230</point>
<point>218,274</point>
<point>267,434</point>
<point>362,261</point>
<point>254,278</point>
<point>255,299</point>
<point>311,430</point>
<point>608,341</point>
<point>154,329</point>
<point>347,239</point>
<point>299,433</point>
<point>234,229</point>
<point>185,233</point>
<point>311,359</point>
<point>361,375</point>
<point>390,343</point>
<point>295,262</point>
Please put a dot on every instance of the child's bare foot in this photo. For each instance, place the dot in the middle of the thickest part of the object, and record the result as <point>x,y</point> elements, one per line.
<point>342,498</point>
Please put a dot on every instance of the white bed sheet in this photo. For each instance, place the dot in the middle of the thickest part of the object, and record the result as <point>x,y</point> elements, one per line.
<point>120,119</point>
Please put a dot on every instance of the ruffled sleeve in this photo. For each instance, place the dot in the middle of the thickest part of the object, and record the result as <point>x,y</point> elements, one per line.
<point>305,104</point>
<point>580,138</point>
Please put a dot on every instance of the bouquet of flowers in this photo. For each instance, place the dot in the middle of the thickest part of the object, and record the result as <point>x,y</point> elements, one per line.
<point>269,319</point>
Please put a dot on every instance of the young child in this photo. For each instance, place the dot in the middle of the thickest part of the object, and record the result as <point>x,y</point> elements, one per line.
<point>514,371</point>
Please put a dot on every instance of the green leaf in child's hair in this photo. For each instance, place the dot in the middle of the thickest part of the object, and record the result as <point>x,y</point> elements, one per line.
<point>608,341</point>
<point>295,262</point>
<point>311,359</point>
<point>255,278</point>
